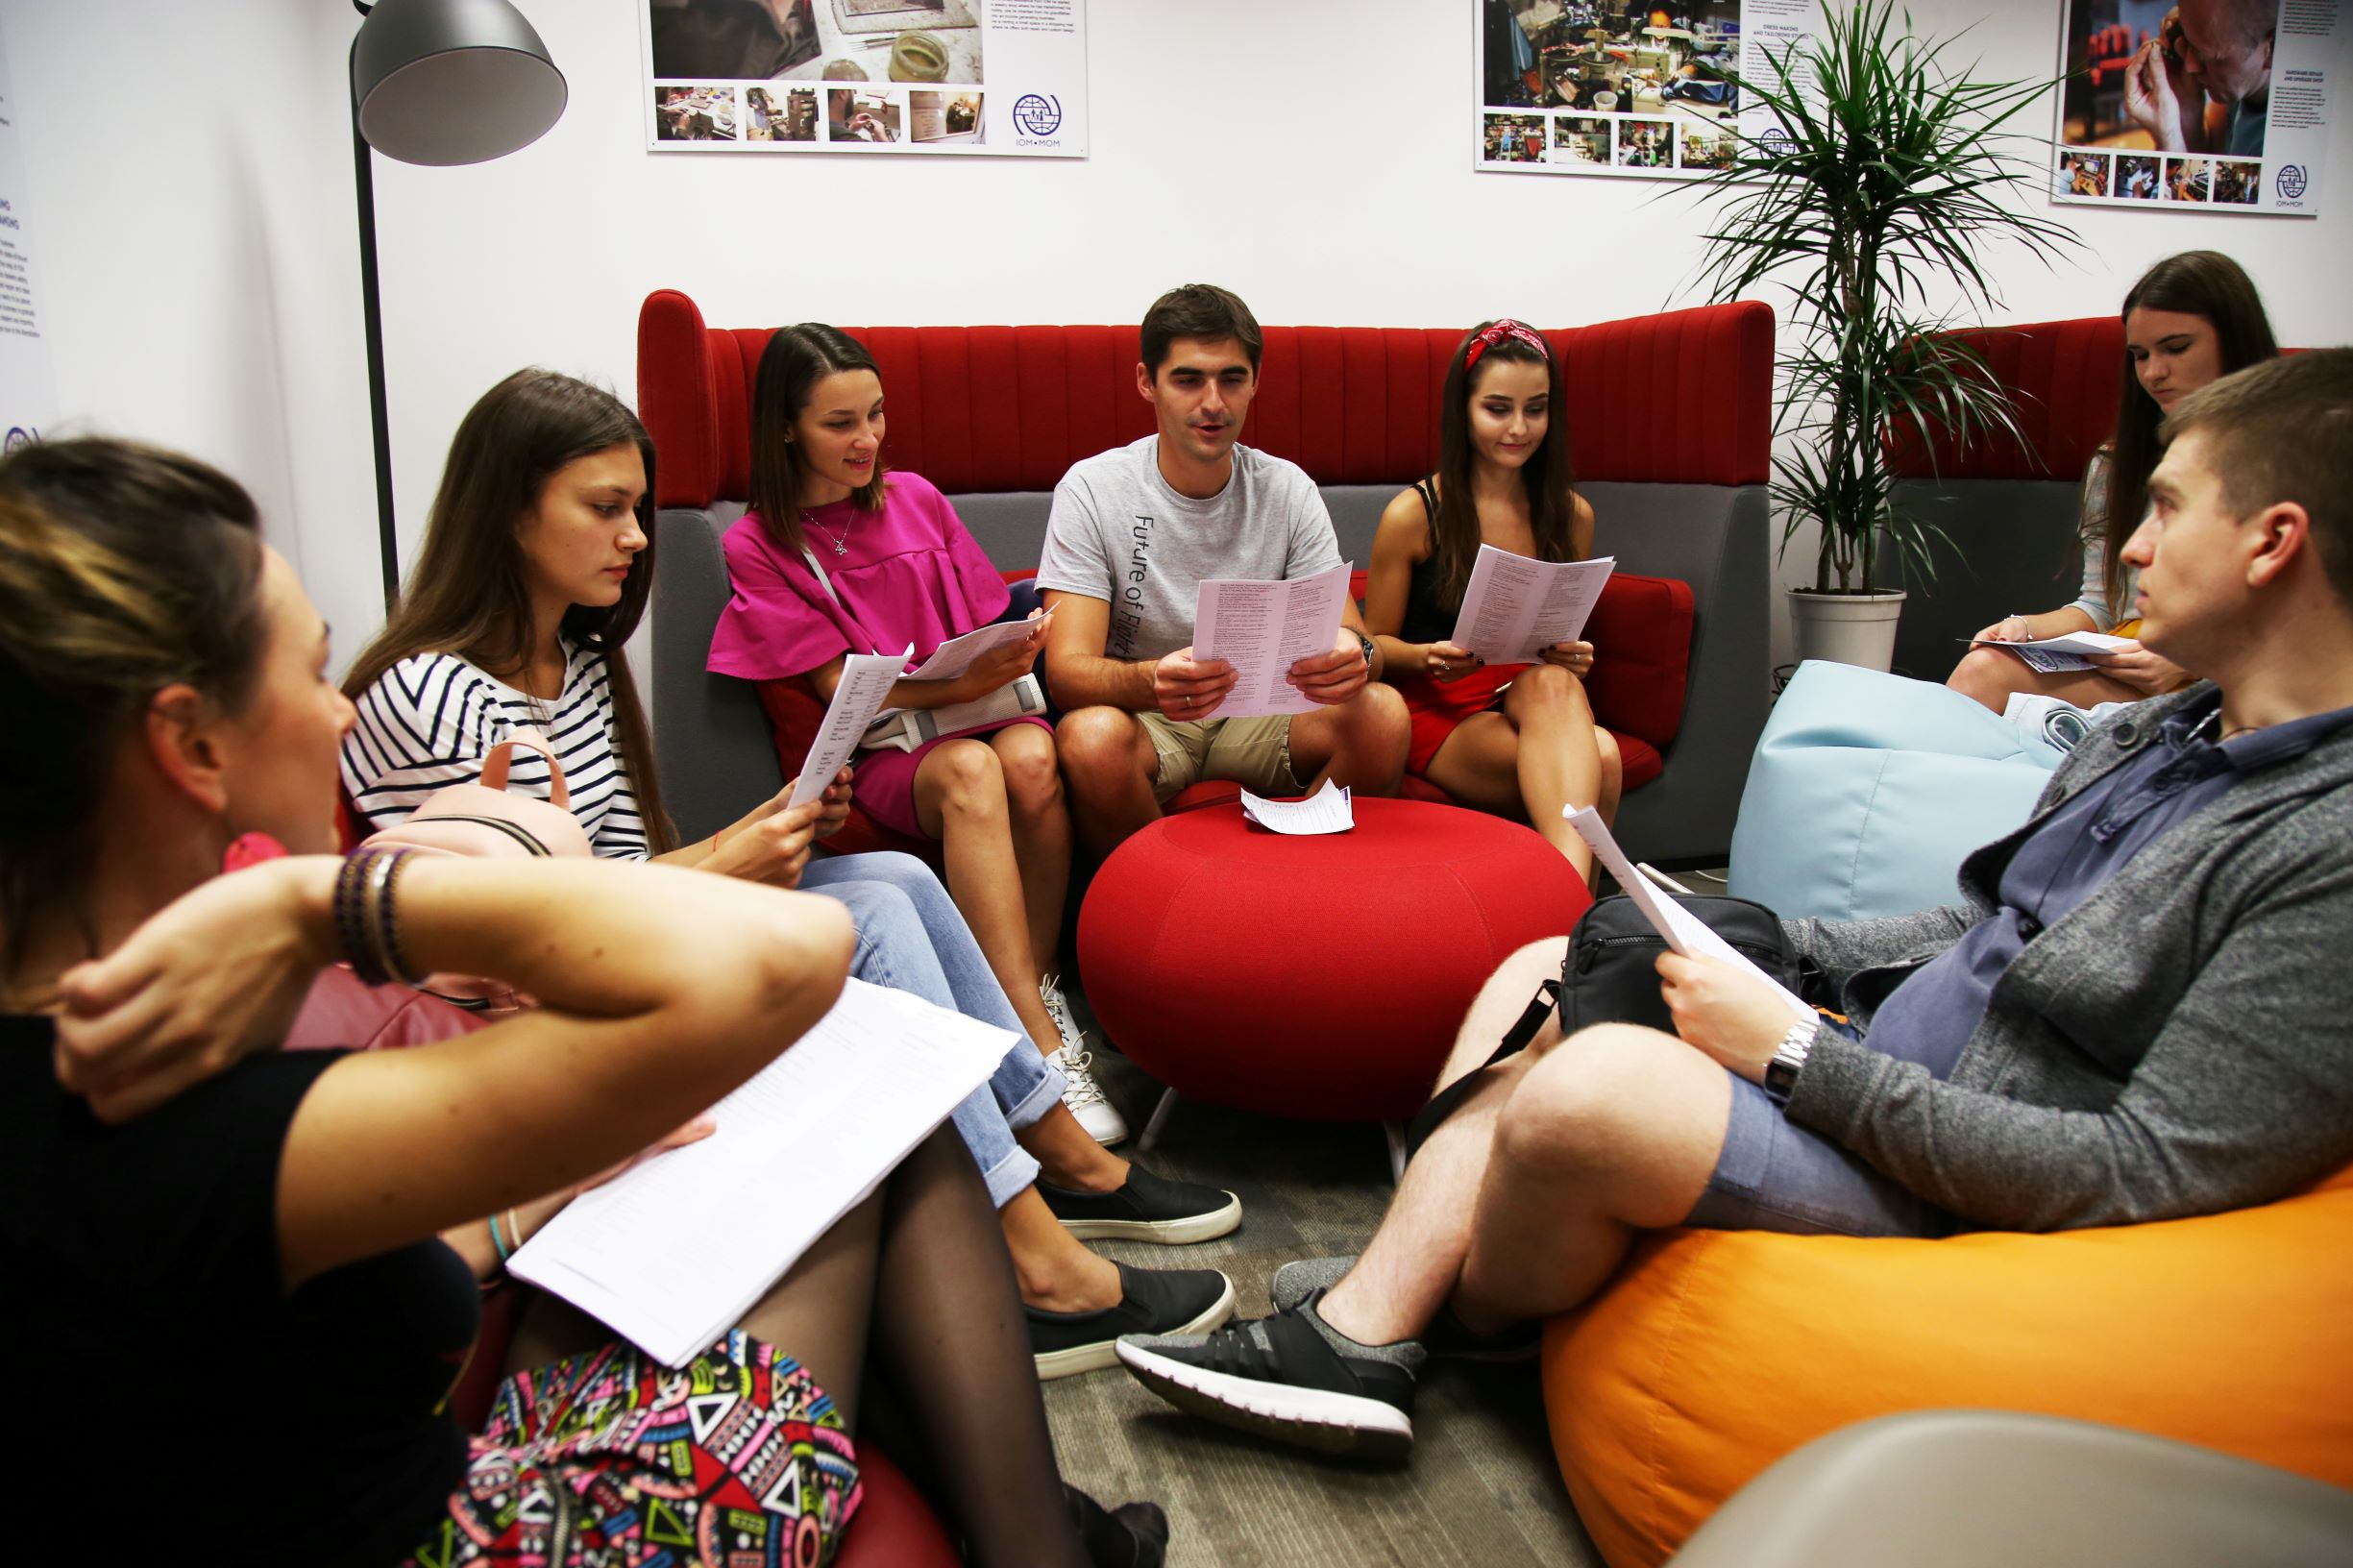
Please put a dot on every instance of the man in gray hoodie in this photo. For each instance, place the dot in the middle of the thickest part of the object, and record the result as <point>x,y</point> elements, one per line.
<point>2140,1011</point>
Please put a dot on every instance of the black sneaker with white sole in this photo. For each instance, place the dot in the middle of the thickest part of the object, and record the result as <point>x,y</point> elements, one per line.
<point>1445,1338</point>
<point>1145,1208</point>
<point>1291,1377</point>
<point>1151,1301</point>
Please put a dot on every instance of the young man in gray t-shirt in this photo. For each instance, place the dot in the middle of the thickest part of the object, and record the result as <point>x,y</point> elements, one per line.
<point>1134,533</point>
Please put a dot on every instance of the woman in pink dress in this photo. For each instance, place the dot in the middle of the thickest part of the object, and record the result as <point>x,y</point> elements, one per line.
<point>836,557</point>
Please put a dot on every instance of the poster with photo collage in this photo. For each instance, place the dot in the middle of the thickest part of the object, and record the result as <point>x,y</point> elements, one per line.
<point>1621,89</point>
<point>2200,106</point>
<point>1006,78</point>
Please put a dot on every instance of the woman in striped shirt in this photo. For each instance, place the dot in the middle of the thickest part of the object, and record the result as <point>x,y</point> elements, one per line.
<point>535,570</point>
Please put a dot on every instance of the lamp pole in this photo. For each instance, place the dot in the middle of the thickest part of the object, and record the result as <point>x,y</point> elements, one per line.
<point>434,82</point>
<point>379,424</point>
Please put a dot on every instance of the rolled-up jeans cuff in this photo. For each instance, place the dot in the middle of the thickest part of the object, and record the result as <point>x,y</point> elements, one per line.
<point>1009,1177</point>
<point>1026,1086</point>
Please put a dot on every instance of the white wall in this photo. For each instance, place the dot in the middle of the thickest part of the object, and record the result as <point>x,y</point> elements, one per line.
<point>1313,154</point>
<point>189,179</point>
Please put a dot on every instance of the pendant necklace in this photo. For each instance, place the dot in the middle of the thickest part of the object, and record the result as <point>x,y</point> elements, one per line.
<point>841,545</point>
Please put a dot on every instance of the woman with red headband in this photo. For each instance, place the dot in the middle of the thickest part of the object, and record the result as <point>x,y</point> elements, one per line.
<point>1518,739</point>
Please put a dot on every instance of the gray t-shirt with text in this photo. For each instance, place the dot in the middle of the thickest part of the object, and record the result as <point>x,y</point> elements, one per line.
<point>1120,534</point>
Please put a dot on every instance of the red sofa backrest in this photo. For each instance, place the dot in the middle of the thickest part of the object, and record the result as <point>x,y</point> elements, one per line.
<point>1680,397</point>
<point>2064,375</point>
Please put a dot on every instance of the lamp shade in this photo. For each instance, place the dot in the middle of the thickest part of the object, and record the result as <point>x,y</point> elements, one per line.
<point>447,82</point>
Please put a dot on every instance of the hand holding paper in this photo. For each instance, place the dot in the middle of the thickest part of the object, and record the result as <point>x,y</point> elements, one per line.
<point>1514,607</point>
<point>867,679</point>
<point>1262,629</point>
<point>1685,932</point>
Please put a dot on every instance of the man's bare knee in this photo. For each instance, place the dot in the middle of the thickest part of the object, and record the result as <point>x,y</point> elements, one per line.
<point>1613,1101</point>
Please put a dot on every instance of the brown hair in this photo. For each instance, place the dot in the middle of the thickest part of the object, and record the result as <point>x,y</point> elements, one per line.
<point>1552,501</point>
<point>2283,431</point>
<point>123,570</point>
<point>2196,282</point>
<point>1204,313</point>
<point>796,359</point>
<point>468,593</point>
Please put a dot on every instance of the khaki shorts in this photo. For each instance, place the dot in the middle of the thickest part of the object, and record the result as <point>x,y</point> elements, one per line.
<point>1255,753</point>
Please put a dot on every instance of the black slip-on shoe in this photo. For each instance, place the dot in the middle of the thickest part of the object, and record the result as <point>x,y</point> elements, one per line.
<point>1151,1301</point>
<point>1145,1208</point>
<point>1445,1338</point>
<point>1282,1376</point>
<point>1131,1535</point>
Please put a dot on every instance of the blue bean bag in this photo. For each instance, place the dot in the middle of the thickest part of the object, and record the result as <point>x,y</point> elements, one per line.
<point>1867,790</point>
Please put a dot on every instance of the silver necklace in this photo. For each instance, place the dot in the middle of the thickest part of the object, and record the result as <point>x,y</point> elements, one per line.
<point>841,545</point>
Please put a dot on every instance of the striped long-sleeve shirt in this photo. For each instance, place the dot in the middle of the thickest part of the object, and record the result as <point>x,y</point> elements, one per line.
<point>430,719</point>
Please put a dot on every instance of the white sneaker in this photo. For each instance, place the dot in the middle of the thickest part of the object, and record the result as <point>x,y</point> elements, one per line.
<point>1084,1096</point>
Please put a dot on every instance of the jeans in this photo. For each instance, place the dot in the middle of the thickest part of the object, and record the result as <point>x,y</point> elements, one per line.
<point>912,938</point>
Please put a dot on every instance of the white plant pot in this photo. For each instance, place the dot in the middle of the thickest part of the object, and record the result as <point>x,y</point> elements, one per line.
<point>1847,628</point>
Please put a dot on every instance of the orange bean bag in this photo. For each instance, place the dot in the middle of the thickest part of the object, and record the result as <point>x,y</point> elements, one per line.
<point>1714,1353</point>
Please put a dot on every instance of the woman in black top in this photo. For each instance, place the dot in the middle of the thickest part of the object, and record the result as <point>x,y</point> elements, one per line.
<point>1517,740</point>
<point>225,1262</point>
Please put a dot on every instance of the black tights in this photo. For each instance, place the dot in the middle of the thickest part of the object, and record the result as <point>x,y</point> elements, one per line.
<point>923,1263</point>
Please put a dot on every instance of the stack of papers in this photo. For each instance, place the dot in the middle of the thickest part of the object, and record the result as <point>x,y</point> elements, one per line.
<point>1331,809</point>
<point>2057,655</point>
<point>671,1253</point>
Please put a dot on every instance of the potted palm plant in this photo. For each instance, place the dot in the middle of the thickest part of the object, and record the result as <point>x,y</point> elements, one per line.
<point>1886,177</point>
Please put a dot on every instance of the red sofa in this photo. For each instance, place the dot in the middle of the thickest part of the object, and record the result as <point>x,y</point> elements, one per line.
<point>1669,418</point>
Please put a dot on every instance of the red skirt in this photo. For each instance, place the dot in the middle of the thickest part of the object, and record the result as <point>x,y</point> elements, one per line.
<point>1436,706</point>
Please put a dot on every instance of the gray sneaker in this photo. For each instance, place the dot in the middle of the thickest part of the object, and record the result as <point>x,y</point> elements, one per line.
<point>1445,1338</point>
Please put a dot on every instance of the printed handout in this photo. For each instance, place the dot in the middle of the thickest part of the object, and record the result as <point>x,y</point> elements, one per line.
<point>1331,809</point>
<point>2056,655</point>
<point>1514,607</point>
<point>1262,629</point>
<point>1685,932</point>
<point>867,679</point>
<point>672,1252</point>
<point>956,656</point>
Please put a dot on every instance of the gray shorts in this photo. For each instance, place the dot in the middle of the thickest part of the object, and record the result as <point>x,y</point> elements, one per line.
<point>1774,1175</point>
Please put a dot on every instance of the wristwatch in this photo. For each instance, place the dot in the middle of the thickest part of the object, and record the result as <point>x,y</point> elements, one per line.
<point>1788,1059</point>
<point>1369,652</point>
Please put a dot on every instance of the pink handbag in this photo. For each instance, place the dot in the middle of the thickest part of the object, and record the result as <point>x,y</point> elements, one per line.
<point>486,819</point>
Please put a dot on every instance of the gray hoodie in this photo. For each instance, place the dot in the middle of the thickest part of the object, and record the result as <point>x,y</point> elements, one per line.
<point>2226,945</point>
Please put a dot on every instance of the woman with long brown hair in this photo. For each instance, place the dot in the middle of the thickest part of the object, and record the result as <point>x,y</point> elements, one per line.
<point>533,573</point>
<point>1519,740</point>
<point>300,1221</point>
<point>2191,319</point>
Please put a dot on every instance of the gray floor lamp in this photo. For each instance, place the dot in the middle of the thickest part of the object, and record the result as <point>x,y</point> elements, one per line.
<point>436,81</point>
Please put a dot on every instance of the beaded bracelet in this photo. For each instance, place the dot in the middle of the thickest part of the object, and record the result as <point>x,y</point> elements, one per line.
<point>498,1243</point>
<point>367,920</point>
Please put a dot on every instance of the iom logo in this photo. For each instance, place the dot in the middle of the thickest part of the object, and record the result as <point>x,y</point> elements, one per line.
<point>2292,182</point>
<point>1036,116</point>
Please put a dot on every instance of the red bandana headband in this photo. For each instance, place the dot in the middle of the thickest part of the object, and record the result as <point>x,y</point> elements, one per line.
<point>1504,328</point>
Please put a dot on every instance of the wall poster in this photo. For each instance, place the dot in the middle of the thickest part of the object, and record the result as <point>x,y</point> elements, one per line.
<point>28,390</point>
<point>2222,105</point>
<point>1620,86</point>
<point>1003,77</point>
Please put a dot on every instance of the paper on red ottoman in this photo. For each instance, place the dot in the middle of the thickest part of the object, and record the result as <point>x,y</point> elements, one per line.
<point>1318,977</point>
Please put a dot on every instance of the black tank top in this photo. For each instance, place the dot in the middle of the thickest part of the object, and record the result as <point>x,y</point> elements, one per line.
<point>1427,619</point>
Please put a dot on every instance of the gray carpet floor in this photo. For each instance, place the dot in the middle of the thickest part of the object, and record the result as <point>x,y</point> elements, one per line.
<point>1482,1490</point>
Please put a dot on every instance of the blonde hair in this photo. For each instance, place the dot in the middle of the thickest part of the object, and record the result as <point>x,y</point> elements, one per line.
<point>123,570</point>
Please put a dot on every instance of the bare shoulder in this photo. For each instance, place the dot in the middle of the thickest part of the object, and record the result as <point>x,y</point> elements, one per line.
<point>1405,524</point>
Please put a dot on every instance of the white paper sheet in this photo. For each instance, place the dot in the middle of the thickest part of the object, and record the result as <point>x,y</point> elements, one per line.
<point>866,678</point>
<point>1685,932</point>
<point>1262,629</point>
<point>673,1252</point>
<point>956,656</point>
<point>2057,655</point>
<point>1514,608</point>
<point>1331,809</point>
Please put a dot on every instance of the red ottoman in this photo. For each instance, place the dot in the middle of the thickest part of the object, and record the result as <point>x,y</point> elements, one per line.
<point>1313,977</point>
